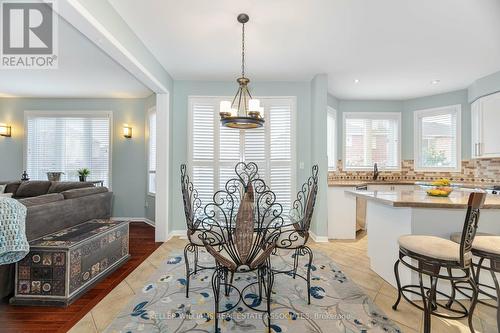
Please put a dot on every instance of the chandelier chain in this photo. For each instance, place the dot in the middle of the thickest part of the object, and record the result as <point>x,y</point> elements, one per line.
<point>243,50</point>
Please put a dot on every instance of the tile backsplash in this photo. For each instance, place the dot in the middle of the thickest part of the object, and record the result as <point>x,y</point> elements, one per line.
<point>482,171</point>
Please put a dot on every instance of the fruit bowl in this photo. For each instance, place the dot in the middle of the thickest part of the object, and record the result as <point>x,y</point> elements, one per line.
<point>440,192</point>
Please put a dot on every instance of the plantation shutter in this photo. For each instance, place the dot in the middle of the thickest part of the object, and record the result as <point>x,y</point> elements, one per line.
<point>60,143</point>
<point>203,147</point>
<point>229,153</point>
<point>255,149</point>
<point>279,113</point>
<point>372,138</point>
<point>215,149</point>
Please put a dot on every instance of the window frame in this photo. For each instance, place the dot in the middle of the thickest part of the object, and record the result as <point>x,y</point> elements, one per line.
<point>331,111</point>
<point>148,149</point>
<point>71,114</point>
<point>217,162</point>
<point>417,138</point>
<point>376,116</point>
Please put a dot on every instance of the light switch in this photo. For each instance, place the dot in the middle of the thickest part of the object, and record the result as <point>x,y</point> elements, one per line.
<point>301,165</point>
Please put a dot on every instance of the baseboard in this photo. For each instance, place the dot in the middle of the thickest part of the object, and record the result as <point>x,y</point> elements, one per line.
<point>177,233</point>
<point>134,219</point>
<point>150,222</point>
<point>318,239</point>
<point>174,233</point>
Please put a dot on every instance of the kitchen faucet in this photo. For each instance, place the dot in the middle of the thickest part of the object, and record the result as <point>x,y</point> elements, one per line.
<point>375,171</point>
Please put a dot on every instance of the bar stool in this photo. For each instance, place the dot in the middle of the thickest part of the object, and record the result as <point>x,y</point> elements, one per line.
<point>484,247</point>
<point>433,254</point>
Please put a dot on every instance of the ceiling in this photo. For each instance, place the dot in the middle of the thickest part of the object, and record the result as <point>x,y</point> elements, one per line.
<point>395,48</point>
<point>84,71</point>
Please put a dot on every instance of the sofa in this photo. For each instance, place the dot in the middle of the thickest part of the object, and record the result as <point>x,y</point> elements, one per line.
<point>53,206</point>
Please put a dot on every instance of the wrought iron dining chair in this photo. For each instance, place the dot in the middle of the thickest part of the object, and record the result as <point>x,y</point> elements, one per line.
<point>193,211</point>
<point>295,237</point>
<point>249,218</point>
<point>427,255</point>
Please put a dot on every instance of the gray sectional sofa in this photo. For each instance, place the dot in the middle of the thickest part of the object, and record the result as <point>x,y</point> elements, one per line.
<point>52,206</point>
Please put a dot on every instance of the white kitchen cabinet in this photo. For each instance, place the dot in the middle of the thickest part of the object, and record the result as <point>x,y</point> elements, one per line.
<point>475,130</point>
<point>485,113</point>
<point>346,213</point>
<point>341,213</point>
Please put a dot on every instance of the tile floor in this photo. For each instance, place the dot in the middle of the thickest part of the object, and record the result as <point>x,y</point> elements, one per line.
<point>349,255</point>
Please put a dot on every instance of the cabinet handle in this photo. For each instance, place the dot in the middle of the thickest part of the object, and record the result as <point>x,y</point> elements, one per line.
<point>479,148</point>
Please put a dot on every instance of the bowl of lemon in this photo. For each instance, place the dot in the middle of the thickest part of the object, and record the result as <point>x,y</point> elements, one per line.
<point>441,188</point>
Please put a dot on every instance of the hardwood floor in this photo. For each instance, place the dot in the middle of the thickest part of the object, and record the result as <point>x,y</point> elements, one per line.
<point>54,319</point>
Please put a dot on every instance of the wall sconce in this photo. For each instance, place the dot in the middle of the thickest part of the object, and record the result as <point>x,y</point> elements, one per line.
<point>127,131</point>
<point>5,130</point>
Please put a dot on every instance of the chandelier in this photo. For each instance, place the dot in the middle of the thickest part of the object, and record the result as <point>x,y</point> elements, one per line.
<point>244,112</point>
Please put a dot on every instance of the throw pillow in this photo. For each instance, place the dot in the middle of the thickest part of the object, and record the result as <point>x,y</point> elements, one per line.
<point>5,195</point>
<point>2,188</point>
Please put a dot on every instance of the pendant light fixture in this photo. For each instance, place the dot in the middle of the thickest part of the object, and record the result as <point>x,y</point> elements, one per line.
<point>244,112</point>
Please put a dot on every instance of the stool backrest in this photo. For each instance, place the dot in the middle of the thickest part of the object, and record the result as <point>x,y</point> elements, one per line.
<point>476,202</point>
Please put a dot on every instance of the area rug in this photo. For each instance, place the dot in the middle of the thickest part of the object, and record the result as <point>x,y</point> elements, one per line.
<point>337,303</point>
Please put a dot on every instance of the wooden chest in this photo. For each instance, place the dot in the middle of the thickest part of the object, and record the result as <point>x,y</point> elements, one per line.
<point>62,266</point>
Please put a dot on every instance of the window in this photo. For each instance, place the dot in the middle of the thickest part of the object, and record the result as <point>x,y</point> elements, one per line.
<point>437,139</point>
<point>214,150</point>
<point>332,138</point>
<point>68,141</point>
<point>152,151</point>
<point>370,138</point>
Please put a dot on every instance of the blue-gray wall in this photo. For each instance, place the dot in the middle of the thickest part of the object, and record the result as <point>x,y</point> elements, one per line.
<point>150,199</point>
<point>332,101</point>
<point>129,155</point>
<point>319,102</point>
<point>484,86</point>
<point>407,109</point>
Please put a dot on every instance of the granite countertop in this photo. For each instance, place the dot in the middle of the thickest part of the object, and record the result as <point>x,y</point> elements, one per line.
<point>354,183</point>
<point>420,199</point>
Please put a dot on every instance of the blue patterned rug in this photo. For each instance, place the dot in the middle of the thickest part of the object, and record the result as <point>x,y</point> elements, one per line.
<point>337,303</point>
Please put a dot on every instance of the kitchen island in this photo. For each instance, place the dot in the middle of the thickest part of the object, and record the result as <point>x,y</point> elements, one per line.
<point>391,214</point>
